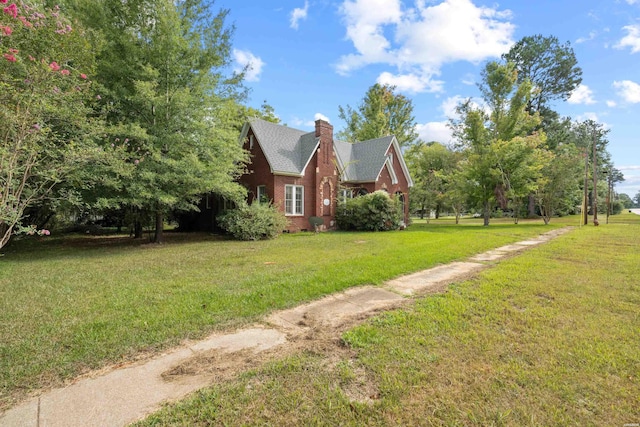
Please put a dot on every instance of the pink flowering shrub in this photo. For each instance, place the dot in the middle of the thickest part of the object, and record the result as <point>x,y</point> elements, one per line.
<point>44,64</point>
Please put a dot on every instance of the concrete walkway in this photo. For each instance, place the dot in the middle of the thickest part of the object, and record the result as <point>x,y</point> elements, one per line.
<point>130,393</point>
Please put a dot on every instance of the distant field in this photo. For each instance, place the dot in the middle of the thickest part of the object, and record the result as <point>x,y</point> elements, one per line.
<point>546,338</point>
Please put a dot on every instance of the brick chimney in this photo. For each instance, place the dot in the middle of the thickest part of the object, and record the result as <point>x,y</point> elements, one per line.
<point>326,177</point>
<point>324,130</point>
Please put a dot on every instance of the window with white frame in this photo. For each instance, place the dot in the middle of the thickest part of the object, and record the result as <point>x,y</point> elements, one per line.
<point>251,141</point>
<point>345,193</point>
<point>261,194</point>
<point>293,199</point>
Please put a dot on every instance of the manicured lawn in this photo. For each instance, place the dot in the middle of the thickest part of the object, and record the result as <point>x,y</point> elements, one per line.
<point>550,337</point>
<point>75,303</point>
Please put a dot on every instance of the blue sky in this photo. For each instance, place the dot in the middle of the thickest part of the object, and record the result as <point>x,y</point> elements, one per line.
<point>309,57</point>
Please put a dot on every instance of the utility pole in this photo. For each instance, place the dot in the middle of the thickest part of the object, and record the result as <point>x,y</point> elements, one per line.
<point>595,182</point>
<point>609,189</point>
<point>585,203</point>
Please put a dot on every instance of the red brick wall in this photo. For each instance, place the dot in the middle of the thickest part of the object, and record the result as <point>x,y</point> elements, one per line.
<point>259,171</point>
<point>319,180</point>
<point>385,182</point>
<point>326,175</point>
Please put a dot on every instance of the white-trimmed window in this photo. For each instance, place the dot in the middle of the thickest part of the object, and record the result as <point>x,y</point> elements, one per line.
<point>251,142</point>
<point>261,194</point>
<point>294,200</point>
<point>345,193</point>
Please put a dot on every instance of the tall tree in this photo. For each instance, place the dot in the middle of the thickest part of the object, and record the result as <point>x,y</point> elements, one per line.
<point>591,138</point>
<point>381,113</point>
<point>170,104</point>
<point>551,67</point>
<point>504,155</point>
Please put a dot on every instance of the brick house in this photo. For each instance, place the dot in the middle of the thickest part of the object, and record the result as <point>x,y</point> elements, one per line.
<point>304,173</point>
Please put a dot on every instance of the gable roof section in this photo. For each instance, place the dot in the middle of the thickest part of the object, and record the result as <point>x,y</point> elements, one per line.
<point>287,150</point>
<point>363,161</point>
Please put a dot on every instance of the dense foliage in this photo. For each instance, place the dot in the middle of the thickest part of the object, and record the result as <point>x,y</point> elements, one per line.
<point>257,221</point>
<point>45,93</point>
<point>382,112</point>
<point>375,211</point>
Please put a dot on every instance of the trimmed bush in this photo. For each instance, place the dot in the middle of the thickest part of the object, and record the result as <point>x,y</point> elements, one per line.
<point>372,212</point>
<point>257,221</point>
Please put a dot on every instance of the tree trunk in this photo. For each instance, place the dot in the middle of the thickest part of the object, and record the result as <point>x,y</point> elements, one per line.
<point>437,210</point>
<point>531,207</point>
<point>159,235</point>
<point>137,229</point>
<point>486,213</point>
<point>422,212</point>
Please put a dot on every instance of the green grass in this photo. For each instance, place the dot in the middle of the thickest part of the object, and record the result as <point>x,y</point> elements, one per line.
<point>549,337</point>
<point>75,303</point>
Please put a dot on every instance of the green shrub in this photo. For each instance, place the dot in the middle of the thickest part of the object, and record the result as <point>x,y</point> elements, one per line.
<point>253,222</point>
<point>372,212</point>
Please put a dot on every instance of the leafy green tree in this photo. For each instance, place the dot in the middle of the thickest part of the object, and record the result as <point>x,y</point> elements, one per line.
<point>504,155</point>
<point>381,113</point>
<point>591,138</point>
<point>626,201</point>
<point>430,166</point>
<point>551,67</point>
<point>636,199</point>
<point>171,106</point>
<point>456,190</point>
<point>560,183</point>
<point>45,96</point>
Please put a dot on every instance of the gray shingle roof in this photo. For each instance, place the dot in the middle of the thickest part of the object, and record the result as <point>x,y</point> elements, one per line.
<point>362,161</point>
<point>287,150</point>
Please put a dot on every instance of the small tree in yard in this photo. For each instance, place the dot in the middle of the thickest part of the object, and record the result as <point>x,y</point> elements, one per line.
<point>376,211</point>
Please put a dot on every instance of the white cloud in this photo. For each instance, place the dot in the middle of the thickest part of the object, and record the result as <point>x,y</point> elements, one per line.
<point>411,82</point>
<point>592,35</point>
<point>632,1</point>
<point>629,168</point>
<point>592,116</point>
<point>628,90</point>
<point>320,116</point>
<point>582,95</point>
<point>298,14</point>
<point>365,20</point>
<point>449,106</point>
<point>435,131</point>
<point>296,121</point>
<point>418,41</point>
<point>611,103</point>
<point>253,64</point>
<point>632,39</point>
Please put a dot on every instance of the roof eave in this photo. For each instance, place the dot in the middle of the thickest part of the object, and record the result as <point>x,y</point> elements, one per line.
<point>315,149</point>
